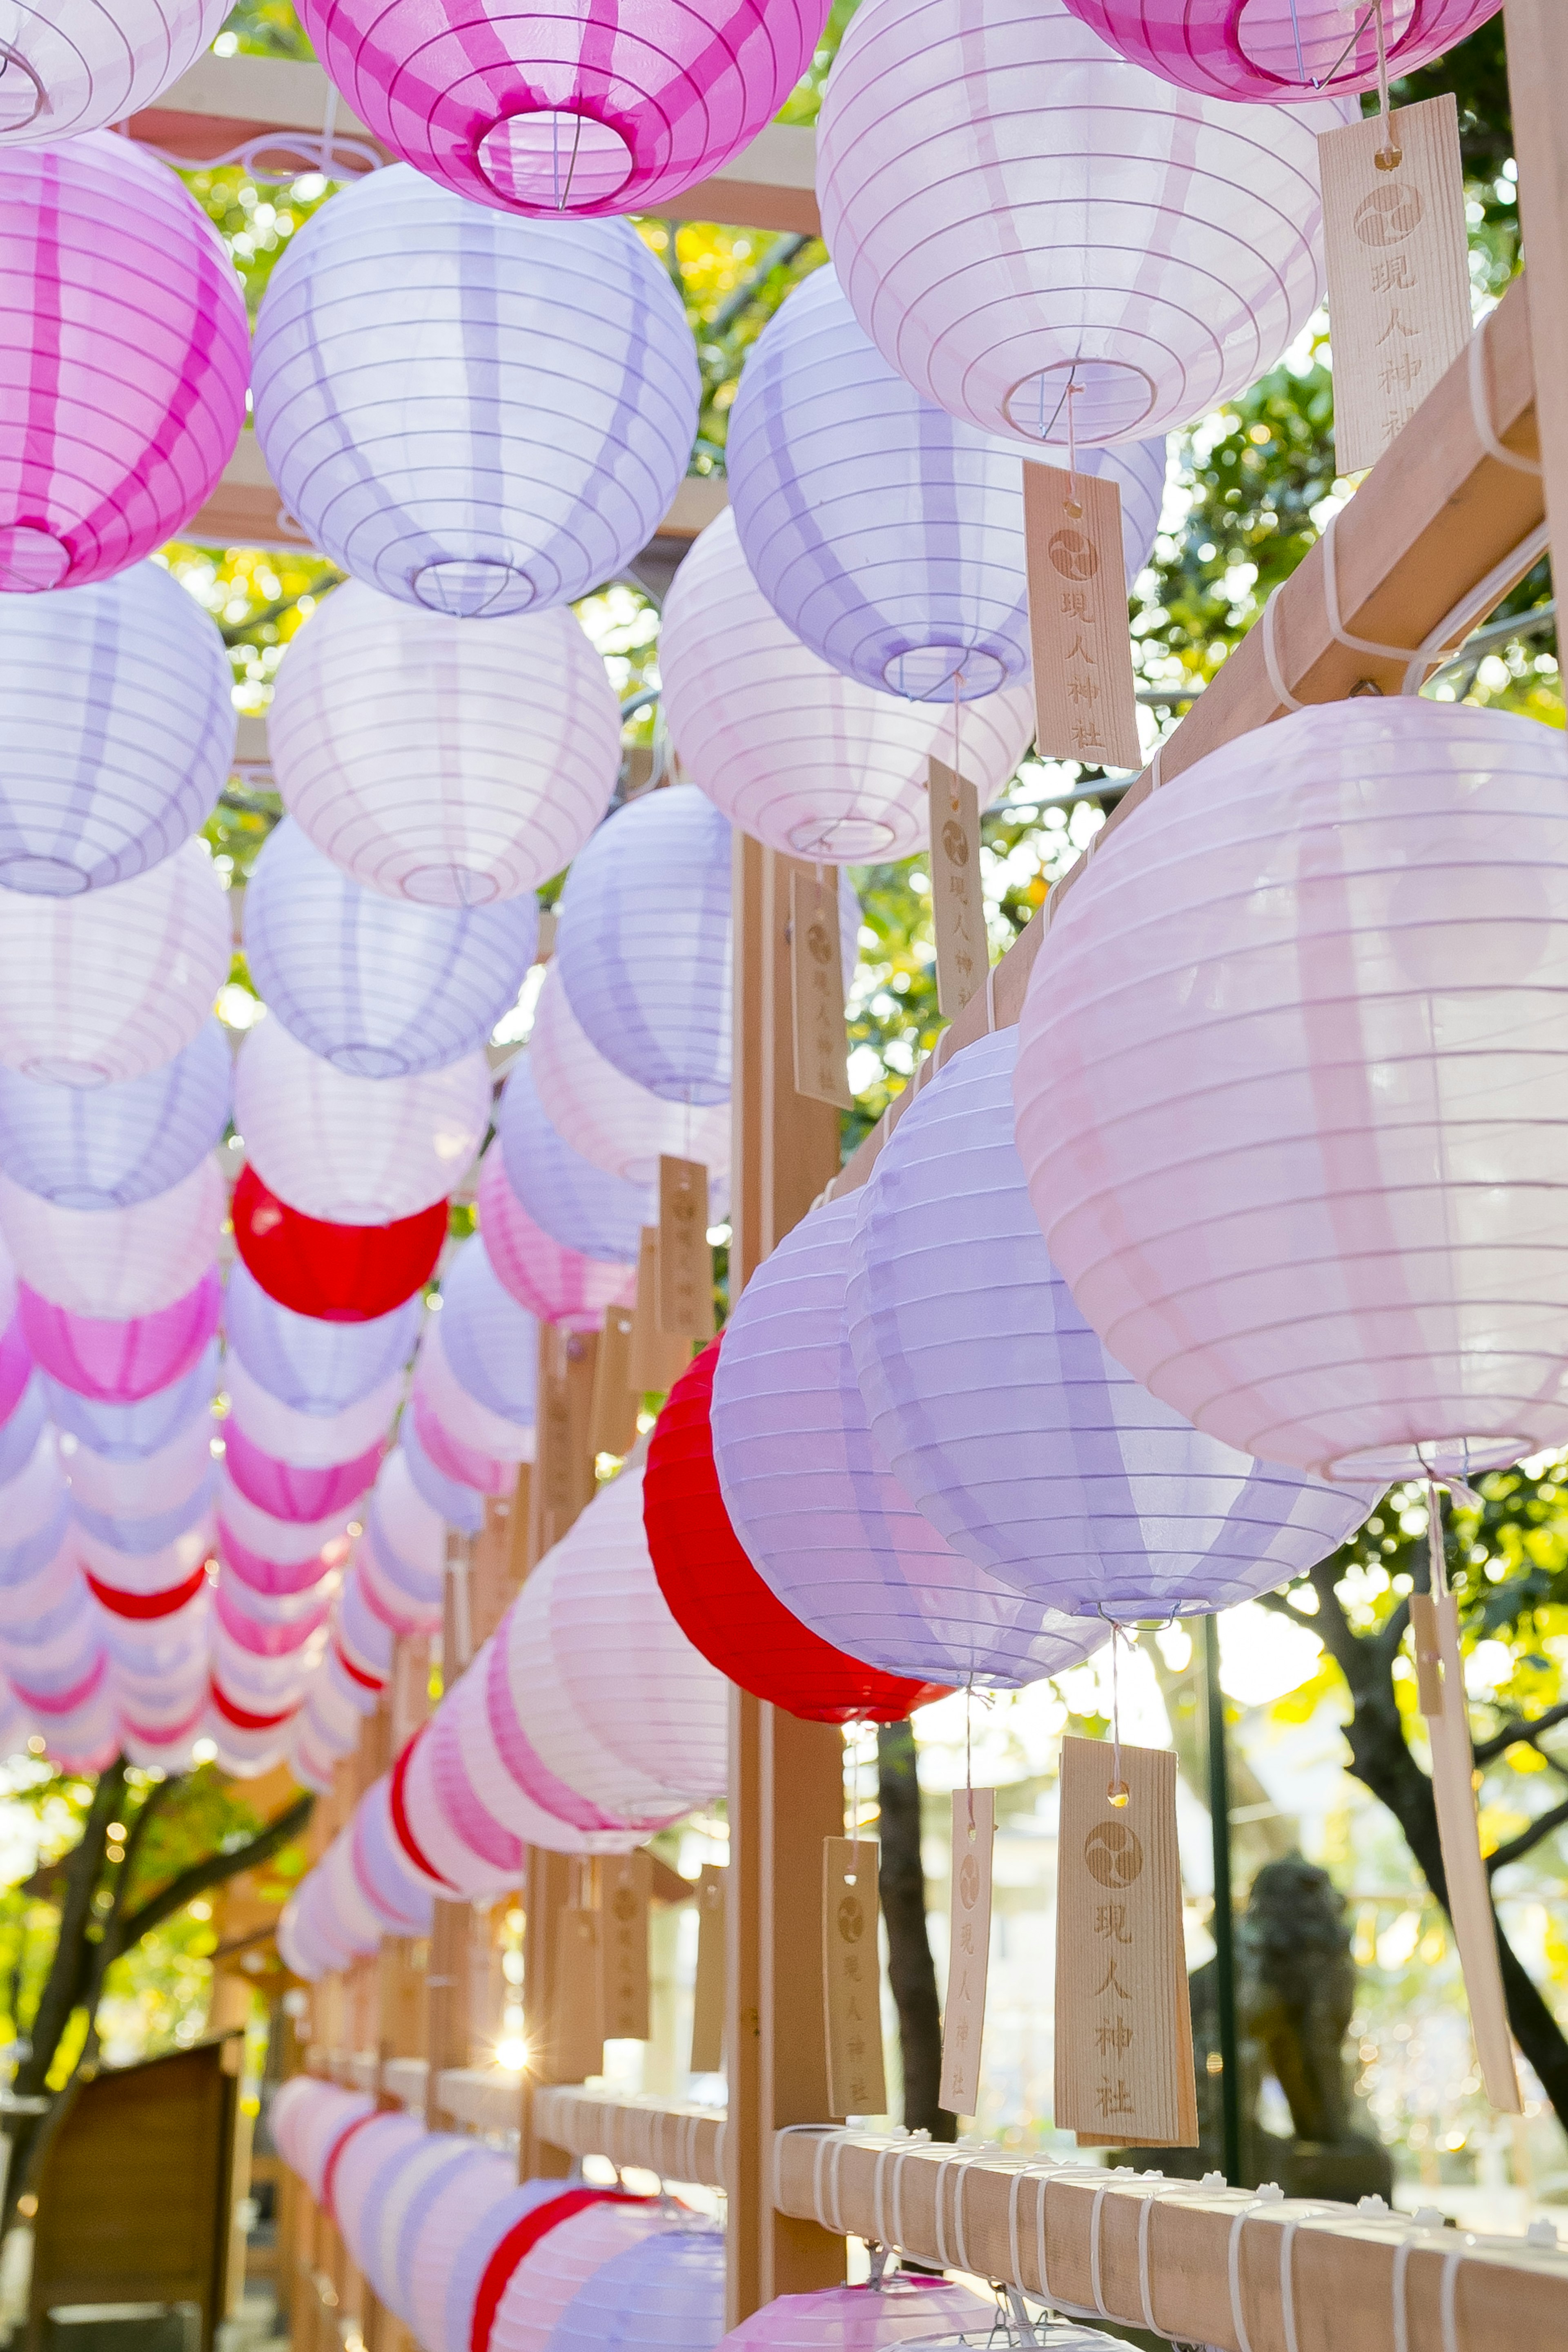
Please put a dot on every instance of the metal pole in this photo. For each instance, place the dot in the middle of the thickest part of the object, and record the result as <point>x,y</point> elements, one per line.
<point>1224,1936</point>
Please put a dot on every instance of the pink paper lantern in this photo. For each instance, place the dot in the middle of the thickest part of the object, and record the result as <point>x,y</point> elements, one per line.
<point>288,1492</point>
<point>127,356</point>
<point>436,1385</point>
<point>554,1283</point>
<point>1291,1091</point>
<point>120,1363</point>
<point>506,1772</point>
<point>432,1833</point>
<point>549,2278</point>
<point>274,1538</point>
<point>1269,51</point>
<point>547,109</point>
<point>486,1473</point>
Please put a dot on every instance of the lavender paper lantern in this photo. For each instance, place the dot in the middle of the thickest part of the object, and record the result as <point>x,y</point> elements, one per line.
<point>552,2273</point>
<point>555,1283</point>
<point>72,66</point>
<point>20,1432</point>
<point>1315,1193</point>
<point>110,1147</point>
<point>489,1341</point>
<point>117,1262</point>
<point>1269,51</point>
<point>378,988</point>
<point>131,1433</point>
<point>459,1506</point>
<point>815,764</point>
<point>113,983</point>
<point>434,1382</point>
<point>666,2294</point>
<point>119,1362</point>
<point>117,708</point>
<point>608,1117</point>
<point>832,1532</point>
<point>312,1366</point>
<point>478,414</point>
<point>887,535</point>
<point>1007,1423</point>
<point>310,1439</point>
<point>356,1151</point>
<point>580,1206</point>
<point>547,111</point>
<point>901,2309</point>
<point>447,2222</point>
<point>127,351</point>
<point>1061,218</point>
<point>438,763</point>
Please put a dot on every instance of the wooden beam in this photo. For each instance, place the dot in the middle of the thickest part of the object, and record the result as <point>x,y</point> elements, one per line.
<point>1537,34</point>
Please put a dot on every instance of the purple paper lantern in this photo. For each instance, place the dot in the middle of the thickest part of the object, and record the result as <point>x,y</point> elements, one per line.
<point>479,414</point>
<point>1269,51</point>
<point>1064,231</point>
<point>549,109</point>
<point>381,988</point>
<point>1005,1421</point>
<point>490,1342</point>
<point>73,68</point>
<point>131,1433</point>
<point>458,1504</point>
<point>577,1204</point>
<point>110,1147</point>
<point>123,377</point>
<point>887,535</point>
<point>311,1366</point>
<point>556,1284</point>
<point>501,1437</point>
<point>608,1117</point>
<point>120,1363</point>
<point>667,2290</point>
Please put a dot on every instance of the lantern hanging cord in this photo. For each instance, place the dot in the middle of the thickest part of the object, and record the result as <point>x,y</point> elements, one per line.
<point>1117,1791</point>
<point>1388,157</point>
<point>328,129</point>
<point>957,762</point>
<point>969,1750</point>
<point>854,1733</point>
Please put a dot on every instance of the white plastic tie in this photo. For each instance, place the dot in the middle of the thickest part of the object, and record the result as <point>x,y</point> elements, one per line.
<point>1270,2194</point>
<point>1480,410</point>
<point>1276,680</point>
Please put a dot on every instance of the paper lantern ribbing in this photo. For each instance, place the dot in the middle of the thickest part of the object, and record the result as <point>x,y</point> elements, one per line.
<point>72,66</point>
<point>580,1206</point>
<point>456,1457</point>
<point>557,1284</point>
<point>150,1484</point>
<point>438,763</point>
<point>492,2249</point>
<point>666,2292</point>
<point>311,1366</point>
<point>831,1532</point>
<point>813,763</point>
<point>311,1440</point>
<point>123,393</point>
<point>350,1150</point>
<point>553,2274</point>
<point>618,1125</point>
<point>489,1341</point>
<point>472,413</point>
<point>1007,1423</point>
<point>885,533</point>
<point>715,1595</point>
<point>110,1147</point>
<point>448,2222</point>
<point>119,1362</point>
<point>459,1505</point>
<point>131,1433</point>
<point>378,988</point>
<point>287,1491</point>
<point>501,1437</point>
<point>1272,50</point>
<point>116,1263</point>
<point>1314,1195</point>
<point>116,702</point>
<point>336,1274</point>
<point>111,985</point>
<point>898,2310</point>
<point>1061,219</point>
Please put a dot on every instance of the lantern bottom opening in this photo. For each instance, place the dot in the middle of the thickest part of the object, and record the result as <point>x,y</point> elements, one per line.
<point>31,560</point>
<point>466,587</point>
<point>1309,51</point>
<point>1434,1458</point>
<point>23,97</point>
<point>555,158</point>
<point>1110,400</point>
<point>842,840</point>
<point>42,877</point>
<point>936,673</point>
<point>448,886</point>
<point>63,1070</point>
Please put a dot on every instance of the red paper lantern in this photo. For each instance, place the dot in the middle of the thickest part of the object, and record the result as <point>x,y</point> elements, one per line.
<point>719,1600</point>
<point>341,1273</point>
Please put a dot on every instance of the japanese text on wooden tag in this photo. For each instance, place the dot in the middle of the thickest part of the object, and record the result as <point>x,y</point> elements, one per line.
<point>579,2024</point>
<point>1079,638</point>
<point>708,1993</point>
<point>969,1947</point>
<point>816,982</point>
<point>684,1257</point>
<point>1123,2026</point>
<point>563,1481</point>
<point>851,1978</point>
<point>614,1413</point>
<point>625,1888</point>
<point>957,908</point>
<point>1459,1834</point>
<point>655,1359</point>
<point>1398,270</point>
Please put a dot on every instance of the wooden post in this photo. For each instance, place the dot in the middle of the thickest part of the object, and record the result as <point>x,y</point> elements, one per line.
<point>786,1778</point>
<point>1537,34</point>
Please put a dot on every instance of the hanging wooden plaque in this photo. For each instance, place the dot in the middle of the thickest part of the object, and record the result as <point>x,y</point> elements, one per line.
<point>654,1358</point>
<point>851,1978</point>
<point>957,908</point>
<point>625,1886</point>
<point>1398,270</point>
<point>1124,2024</point>
<point>708,1994</point>
<point>614,1413</point>
<point>817,985</point>
<point>969,1947</point>
<point>683,1255</point>
<point>1078,639</point>
<point>578,2022</point>
<point>563,1483</point>
<point>1469,1893</point>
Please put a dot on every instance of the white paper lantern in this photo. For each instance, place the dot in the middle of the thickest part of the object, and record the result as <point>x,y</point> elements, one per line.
<point>310,1439</point>
<point>457,1409</point>
<point>813,763</point>
<point>618,1125</point>
<point>356,1151</point>
<point>112,983</point>
<point>475,413</point>
<point>1061,218</point>
<point>1293,1090</point>
<point>448,765</point>
<point>72,66</point>
<point>117,1262</point>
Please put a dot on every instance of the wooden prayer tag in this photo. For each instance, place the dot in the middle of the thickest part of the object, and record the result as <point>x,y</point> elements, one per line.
<point>1398,270</point>
<point>1079,638</point>
<point>655,1359</point>
<point>685,1259</point>
<point>563,1482</point>
<point>625,1888</point>
<point>614,1412</point>
<point>969,1947</point>
<point>817,983</point>
<point>957,910</point>
<point>1469,1898</point>
<point>851,1978</point>
<point>1124,2024</point>
<point>707,1995</point>
<point>578,2020</point>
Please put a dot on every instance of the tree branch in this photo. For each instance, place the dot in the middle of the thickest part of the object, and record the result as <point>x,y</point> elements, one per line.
<point>212,1872</point>
<point>1528,1838</point>
<point>66,1968</point>
<point>109,1948</point>
<point>1520,1729</point>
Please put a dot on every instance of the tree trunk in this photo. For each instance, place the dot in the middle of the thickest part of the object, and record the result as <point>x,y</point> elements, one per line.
<point>911,1969</point>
